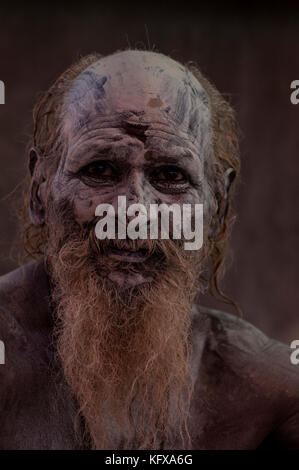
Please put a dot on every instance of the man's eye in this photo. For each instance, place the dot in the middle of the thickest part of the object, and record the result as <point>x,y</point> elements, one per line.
<point>169,174</point>
<point>98,170</point>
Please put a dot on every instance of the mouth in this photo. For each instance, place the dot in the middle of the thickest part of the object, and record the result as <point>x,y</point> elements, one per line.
<point>130,256</point>
<point>131,265</point>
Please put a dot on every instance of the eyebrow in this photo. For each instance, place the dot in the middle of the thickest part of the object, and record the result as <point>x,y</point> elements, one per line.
<point>174,156</point>
<point>94,151</point>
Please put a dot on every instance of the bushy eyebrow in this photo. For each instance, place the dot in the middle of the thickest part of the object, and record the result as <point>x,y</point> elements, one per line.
<point>174,156</point>
<point>96,151</point>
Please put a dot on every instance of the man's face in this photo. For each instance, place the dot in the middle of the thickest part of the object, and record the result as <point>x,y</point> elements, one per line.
<point>135,125</point>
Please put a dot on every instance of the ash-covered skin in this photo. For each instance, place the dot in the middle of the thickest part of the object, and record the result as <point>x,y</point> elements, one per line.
<point>247,391</point>
<point>135,124</point>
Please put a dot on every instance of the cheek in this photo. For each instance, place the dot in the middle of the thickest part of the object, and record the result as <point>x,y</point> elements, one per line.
<point>81,198</point>
<point>85,201</point>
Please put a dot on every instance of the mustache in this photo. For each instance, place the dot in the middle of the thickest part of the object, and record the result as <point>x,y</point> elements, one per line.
<point>146,246</point>
<point>75,245</point>
<point>82,248</point>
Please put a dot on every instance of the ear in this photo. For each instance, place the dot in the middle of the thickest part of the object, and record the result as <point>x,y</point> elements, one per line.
<point>37,188</point>
<point>229,177</point>
<point>222,202</point>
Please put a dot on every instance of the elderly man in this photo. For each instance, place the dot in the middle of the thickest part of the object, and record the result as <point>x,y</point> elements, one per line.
<point>106,345</point>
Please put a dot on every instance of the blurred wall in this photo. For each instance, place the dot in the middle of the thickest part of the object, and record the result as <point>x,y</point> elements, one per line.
<point>251,57</point>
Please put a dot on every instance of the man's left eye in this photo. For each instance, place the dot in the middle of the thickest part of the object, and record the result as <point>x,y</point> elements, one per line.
<point>169,174</point>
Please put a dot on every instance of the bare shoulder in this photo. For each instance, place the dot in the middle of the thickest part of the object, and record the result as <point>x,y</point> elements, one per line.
<point>24,295</point>
<point>23,320</point>
<point>244,345</point>
<point>254,370</point>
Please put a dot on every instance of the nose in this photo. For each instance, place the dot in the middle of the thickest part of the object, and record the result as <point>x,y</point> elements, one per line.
<point>135,188</point>
<point>134,192</point>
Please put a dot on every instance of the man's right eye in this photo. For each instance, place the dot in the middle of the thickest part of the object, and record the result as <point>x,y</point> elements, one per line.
<point>99,171</point>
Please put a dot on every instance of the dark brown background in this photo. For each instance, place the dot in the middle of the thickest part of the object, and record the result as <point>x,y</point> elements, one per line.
<point>250,56</point>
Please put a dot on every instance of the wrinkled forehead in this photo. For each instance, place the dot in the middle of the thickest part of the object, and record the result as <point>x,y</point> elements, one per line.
<point>147,85</point>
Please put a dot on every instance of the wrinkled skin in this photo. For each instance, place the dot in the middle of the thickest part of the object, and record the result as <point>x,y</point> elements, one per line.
<point>138,125</point>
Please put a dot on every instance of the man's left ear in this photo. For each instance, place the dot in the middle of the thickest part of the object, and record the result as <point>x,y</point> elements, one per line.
<point>222,202</point>
<point>37,188</point>
<point>229,177</point>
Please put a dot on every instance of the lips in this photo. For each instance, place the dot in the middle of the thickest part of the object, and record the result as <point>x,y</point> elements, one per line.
<point>130,256</point>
